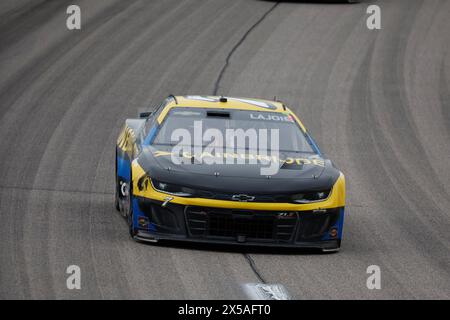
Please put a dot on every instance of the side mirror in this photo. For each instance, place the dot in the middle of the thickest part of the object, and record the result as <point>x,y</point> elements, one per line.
<point>144,115</point>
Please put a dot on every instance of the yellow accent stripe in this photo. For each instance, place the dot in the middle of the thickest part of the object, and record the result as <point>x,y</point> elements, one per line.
<point>126,140</point>
<point>335,200</point>
<point>296,119</point>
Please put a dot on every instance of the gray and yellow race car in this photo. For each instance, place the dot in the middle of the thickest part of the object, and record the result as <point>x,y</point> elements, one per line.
<point>170,187</point>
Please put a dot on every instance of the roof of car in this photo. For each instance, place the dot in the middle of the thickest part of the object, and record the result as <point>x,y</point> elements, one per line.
<point>219,102</point>
<point>231,103</point>
<point>228,103</point>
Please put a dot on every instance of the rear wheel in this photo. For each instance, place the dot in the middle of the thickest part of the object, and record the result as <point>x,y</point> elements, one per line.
<point>116,193</point>
<point>116,200</point>
<point>130,219</point>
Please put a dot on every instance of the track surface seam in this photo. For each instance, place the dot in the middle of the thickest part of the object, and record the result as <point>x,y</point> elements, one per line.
<point>252,264</point>
<point>216,90</point>
<point>376,101</point>
<point>237,45</point>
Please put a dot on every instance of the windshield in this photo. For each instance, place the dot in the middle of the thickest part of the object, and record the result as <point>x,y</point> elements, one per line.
<point>226,121</point>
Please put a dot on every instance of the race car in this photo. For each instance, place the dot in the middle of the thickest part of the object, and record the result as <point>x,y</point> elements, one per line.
<point>182,175</point>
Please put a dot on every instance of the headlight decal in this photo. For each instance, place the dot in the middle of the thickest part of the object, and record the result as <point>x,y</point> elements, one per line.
<point>172,189</point>
<point>308,197</point>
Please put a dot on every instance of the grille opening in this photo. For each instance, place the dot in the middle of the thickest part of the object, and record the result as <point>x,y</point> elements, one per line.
<point>229,225</point>
<point>314,226</point>
<point>240,224</point>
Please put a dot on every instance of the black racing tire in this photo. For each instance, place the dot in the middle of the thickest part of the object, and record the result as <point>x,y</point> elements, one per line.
<point>131,229</point>
<point>116,202</point>
<point>116,195</point>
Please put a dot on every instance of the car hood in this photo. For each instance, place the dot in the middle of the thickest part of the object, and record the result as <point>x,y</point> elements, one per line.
<point>297,172</point>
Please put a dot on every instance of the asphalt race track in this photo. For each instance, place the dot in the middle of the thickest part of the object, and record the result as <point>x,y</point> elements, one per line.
<point>376,101</point>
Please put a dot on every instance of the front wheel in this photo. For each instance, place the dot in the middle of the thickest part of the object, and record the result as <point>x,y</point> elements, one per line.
<point>130,219</point>
<point>116,200</point>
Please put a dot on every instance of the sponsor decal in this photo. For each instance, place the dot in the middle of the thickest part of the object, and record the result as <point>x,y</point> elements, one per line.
<point>271,117</point>
<point>248,156</point>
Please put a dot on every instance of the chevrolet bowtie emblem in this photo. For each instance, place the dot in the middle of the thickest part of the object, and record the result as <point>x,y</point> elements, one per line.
<point>242,197</point>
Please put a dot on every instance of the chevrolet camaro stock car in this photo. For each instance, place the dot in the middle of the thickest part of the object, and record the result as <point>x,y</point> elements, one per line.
<point>229,202</point>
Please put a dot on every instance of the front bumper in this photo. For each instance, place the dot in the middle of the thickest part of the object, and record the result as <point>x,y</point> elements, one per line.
<point>320,229</point>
